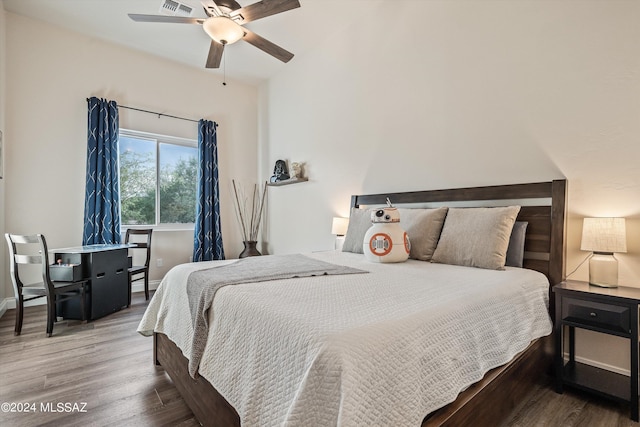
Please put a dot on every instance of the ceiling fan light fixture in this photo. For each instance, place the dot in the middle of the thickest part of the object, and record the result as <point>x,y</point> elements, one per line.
<point>223,30</point>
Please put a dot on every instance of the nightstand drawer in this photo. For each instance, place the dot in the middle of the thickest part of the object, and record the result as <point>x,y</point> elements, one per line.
<point>606,316</point>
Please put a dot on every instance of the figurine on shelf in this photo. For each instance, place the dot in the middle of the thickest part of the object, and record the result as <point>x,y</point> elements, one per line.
<point>280,172</point>
<point>296,170</point>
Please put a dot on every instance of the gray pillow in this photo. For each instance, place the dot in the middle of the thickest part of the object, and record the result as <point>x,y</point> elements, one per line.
<point>476,237</point>
<point>359,223</point>
<point>515,251</point>
<point>423,226</point>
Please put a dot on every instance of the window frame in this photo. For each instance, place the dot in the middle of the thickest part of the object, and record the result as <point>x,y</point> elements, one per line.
<point>158,139</point>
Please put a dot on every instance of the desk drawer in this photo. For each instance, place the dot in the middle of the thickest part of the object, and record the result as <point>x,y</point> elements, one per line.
<point>65,273</point>
<point>606,316</point>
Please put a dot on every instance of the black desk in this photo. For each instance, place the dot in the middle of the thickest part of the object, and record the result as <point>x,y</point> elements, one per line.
<point>105,267</point>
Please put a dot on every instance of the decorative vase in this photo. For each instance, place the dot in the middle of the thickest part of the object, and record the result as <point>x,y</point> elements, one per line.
<point>249,249</point>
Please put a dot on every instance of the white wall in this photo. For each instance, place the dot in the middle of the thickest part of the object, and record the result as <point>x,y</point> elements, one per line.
<point>442,94</point>
<point>50,73</point>
<point>4,291</point>
<point>437,94</point>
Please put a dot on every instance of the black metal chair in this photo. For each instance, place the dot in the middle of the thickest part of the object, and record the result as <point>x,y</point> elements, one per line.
<point>25,250</point>
<point>140,270</point>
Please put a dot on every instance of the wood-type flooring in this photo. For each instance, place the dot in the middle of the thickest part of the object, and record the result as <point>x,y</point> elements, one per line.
<point>101,373</point>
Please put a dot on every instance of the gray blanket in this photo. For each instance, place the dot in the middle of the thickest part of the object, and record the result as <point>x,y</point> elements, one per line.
<point>202,286</point>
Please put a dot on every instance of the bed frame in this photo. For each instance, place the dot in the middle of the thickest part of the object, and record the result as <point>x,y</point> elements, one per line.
<point>508,384</point>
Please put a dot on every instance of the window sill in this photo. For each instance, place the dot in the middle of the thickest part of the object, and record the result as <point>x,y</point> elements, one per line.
<point>157,228</point>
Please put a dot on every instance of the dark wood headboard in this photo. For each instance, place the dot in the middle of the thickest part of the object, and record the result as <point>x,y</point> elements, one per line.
<point>544,241</point>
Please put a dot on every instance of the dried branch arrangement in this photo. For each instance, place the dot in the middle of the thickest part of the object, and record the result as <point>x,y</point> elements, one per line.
<point>249,210</point>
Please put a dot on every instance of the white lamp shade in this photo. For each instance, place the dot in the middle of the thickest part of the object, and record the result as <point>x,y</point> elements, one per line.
<point>606,235</point>
<point>223,30</point>
<point>339,226</point>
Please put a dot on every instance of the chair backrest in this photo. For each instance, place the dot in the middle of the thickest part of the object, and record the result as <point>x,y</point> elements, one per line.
<point>131,235</point>
<point>27,250</point>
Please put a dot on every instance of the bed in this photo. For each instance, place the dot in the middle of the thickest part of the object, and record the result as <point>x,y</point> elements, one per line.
<point>353,374</point>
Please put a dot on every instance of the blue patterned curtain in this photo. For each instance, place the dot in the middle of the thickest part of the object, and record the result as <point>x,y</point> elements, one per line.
<point>102,194</point>
<point>207,245</point>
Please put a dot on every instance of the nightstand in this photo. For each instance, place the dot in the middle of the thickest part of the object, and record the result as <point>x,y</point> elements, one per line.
<point>612,311</point>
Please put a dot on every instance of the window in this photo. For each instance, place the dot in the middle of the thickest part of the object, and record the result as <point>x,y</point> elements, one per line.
<point>157,179</point>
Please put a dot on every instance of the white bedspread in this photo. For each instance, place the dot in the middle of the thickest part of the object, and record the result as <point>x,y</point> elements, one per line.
<point>379,349</point>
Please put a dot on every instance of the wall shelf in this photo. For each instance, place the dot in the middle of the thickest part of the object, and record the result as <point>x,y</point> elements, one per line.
<point>287,182</point>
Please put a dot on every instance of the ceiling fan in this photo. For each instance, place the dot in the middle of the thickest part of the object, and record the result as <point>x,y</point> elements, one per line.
<point>225,25</point>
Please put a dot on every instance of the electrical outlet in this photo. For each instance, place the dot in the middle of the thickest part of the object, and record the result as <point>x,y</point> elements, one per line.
<point>159,262</point>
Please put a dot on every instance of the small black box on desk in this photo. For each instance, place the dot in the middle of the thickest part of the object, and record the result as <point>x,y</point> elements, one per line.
<point>65,272</point>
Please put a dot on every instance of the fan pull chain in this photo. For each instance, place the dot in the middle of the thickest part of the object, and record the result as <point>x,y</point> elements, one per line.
<point>224,65</point>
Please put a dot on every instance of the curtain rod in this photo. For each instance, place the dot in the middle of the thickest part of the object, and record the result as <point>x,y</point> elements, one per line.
<point>158,114</point>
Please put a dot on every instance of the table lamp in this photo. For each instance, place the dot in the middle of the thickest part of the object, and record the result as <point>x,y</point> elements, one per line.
<point>339,228</point>
<point>603,237</point>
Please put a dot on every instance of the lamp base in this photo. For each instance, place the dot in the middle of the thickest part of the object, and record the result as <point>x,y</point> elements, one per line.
<point>603,270</point>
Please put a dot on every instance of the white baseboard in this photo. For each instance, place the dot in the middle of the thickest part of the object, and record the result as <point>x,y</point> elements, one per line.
<point>4,305</point>
<point>139,285</point>
<point>10,303</point>
<point>605,366</point>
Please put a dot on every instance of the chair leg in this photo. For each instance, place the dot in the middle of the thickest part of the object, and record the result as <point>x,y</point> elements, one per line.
<point>146,285</point>
<point>19,314</point>
<point>129,300</point>
<point>51,314</point>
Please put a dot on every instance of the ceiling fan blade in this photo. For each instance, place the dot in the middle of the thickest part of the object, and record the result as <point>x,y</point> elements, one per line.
<point>264,8</point>
<point>162,18</point>
<point>267,46</point>
<point>206,9</point>
<point>229,4</point>
<point>215,54</point>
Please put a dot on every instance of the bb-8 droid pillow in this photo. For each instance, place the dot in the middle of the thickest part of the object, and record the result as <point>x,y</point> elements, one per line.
<point>386,240</point>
